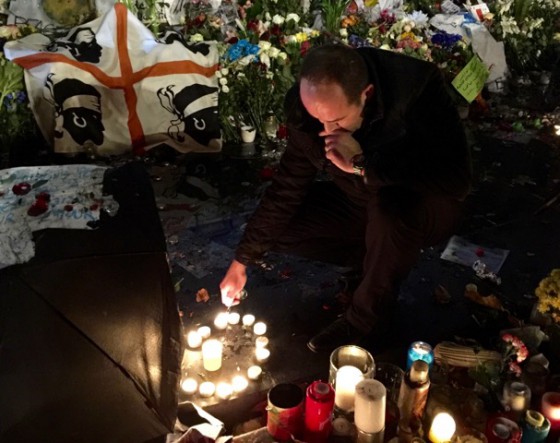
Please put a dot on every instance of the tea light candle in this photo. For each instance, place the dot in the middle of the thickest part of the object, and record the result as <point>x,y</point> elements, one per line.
<point>239,383</point>
<point>261,342</point>
<point>550,408</point>
<point>233,318</point>
<point>347,377</point>
<point>259,328</point>
<point>254,372</point>
<point>212,355</point>
<point>224,390</point>
<point>206,389</point>
<point>204,332</point>
<point>262,354</point>
<point>194,340</point>
<point>248,320</point>
<point>189,386</point>
<point>221,320</point>
<point>369,406</point>
<point>443,428</point>
<point>420,350</point>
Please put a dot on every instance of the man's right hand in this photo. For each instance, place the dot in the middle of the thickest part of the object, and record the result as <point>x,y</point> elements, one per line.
<point>233,282</point>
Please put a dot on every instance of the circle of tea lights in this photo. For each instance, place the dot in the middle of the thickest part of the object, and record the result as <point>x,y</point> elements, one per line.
<point>261,342</point>
<point>224,390</point>
<point>233,318</point>
<point>259,328</point>
<point>204,332</point>
<point>262,354</point>
<point>248,320</point>
<point>206,389</point>
<point>221,320</point>
<point>239,383</point>
<point>254,372</point>
<point>189,386</point>
<point>194,340</point>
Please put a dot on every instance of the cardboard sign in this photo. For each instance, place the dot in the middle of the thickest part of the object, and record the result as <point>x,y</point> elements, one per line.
<point>470,81</point>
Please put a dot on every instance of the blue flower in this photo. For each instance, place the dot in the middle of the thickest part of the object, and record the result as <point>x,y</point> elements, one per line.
<point>241,49</point>
<point>445,40</point>
<point>357,42</point>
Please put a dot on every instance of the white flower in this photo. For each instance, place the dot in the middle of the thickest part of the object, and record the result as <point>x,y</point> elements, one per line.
<point>264,45</point>
<point>265,59</point>
<point>218,74</point>
<point>291,39</point>
<point>343,32</point>
<point>195,38</point>
<point>292,16</point>
<point>385,46</point>
<point>224,71</point>
<point>223,81</point>
<point>267,16</point>
<point>278,19</point>
<point>283,56</point>
<point>273,52</point>
<point>246,60</point>
<point>225,89</point>
<point>418,18</point>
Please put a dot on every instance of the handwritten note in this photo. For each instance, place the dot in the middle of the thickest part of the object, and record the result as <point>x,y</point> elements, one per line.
<point>470,81</point>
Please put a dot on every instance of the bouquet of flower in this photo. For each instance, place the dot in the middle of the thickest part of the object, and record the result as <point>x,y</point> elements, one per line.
<point>16,118</point>
<point>527,28</point>
<point>548,293</point>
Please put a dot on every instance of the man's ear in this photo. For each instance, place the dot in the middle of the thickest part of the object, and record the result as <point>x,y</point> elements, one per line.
<point>368,91</point>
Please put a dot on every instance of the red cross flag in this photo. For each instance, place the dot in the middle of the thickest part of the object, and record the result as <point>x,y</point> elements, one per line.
<point>110,86</point>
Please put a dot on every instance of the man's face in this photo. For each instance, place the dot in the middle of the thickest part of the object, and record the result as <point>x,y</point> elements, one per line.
<point>328,103</point>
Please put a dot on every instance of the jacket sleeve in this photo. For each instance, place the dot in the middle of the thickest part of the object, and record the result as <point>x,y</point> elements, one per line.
<point>280,201</point>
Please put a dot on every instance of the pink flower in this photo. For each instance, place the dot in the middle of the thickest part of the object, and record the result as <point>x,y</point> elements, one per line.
<point>514,368</point>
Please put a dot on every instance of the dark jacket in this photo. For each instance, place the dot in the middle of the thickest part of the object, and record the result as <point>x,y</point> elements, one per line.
<point>411,137</point>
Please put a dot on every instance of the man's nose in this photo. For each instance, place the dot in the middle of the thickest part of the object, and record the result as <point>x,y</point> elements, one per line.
<point>330,127</point>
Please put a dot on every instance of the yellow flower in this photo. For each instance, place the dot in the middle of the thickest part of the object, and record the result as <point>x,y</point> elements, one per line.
<point>301,37</point>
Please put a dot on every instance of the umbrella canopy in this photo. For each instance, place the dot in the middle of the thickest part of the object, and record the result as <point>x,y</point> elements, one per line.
<point>90,343</point>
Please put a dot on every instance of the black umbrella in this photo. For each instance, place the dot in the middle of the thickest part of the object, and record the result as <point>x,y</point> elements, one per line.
<point>90,343</point>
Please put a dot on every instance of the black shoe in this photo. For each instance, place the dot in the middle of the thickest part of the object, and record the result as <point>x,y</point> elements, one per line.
<point>338,333</point>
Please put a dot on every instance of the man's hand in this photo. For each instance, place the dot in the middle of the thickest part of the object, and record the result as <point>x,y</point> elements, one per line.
<point>340,148</point>
<point>233,282</point>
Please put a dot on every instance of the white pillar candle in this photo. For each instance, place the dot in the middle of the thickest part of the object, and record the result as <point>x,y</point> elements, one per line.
<point>206,389</point>
<point>233,318</point>
<point>442,429</point>
<point>224,390</point>
<point>369,406</point>
<point>221,320</point>
<point>262,354</point>
<point>254,372</point>
<point>259,328</point>
<point>204,332</point>
<point>248,320</point>
<point>189,386</point>
<point>239,383</point>
<point>194,340</point>
<point>261,342</point>
<point>212,355</point>
<point>347,377</point>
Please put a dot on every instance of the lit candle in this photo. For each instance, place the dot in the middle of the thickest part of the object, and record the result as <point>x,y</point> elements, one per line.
<point>189,386</point>
<point>443,428</point>
<point>194,340</point>
<point>550,407</point>
<point>261,342</point>
<point>347,377</point>
<point>224,390</point>
<point>206,389</point>
<point>233,318</point>
<point>259,328</point>
<point>248,320</point>
<point>221,320</point>
<point>239,383</point>
<point>420,350</point>
<point>212,355</point>
<point>204,332</point>
<point>254,372</point>
<point>262,354</point>
<point>369,406</point>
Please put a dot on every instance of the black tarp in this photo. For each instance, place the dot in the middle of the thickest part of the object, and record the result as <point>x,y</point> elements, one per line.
<point>90,343</point>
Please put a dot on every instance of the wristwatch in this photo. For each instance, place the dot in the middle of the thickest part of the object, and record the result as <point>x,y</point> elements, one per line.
<point>359,164</point>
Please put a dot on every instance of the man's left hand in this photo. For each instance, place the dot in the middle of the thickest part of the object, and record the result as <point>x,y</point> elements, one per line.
<point>340,148</point>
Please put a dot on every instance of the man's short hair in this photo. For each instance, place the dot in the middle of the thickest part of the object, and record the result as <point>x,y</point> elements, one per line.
<point>336,63</point>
